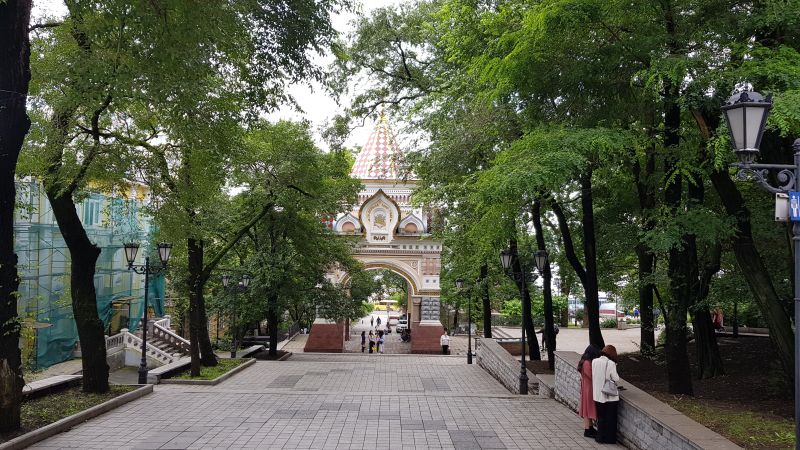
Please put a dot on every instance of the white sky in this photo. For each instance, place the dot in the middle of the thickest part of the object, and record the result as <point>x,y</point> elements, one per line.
<point>317,107</point>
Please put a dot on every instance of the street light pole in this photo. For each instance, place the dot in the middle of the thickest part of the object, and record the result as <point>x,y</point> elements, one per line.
<point>164,251</point>
<point>240,286</point>
<point>746,115</point>
<point>505,260</point>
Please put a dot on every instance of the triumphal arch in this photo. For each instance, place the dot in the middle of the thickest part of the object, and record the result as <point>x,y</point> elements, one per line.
<point>392,234</point>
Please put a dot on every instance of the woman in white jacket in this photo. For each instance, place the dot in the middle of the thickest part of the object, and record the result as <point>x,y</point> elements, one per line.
<point>605,368</point>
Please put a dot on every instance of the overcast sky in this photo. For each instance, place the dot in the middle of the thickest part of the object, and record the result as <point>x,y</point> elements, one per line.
<point>317,106</point>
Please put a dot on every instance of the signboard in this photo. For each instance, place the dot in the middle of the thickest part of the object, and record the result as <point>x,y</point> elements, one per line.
<point>794,206</point>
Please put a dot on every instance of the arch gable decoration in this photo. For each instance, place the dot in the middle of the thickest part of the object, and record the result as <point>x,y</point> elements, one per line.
<point>417,225</point>
<point>380,215</point>
<point>348,224</point>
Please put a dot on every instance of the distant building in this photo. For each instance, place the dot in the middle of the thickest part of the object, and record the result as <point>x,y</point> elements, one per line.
<point>44,268</point>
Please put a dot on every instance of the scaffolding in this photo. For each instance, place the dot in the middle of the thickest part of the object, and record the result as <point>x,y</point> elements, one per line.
<point>44,260</point>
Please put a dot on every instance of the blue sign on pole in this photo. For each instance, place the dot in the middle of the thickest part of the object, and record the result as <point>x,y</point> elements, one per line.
<point>794,206</point>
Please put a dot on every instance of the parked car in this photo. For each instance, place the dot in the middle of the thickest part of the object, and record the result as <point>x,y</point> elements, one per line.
<point>402,324</point>
<point>392,321</point>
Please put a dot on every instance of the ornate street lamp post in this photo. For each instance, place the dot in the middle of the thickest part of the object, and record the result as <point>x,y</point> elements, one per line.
<point>164,252</point>
<point>460,286</point>
<point>540,261</point>
<point>236,288</point>
<point>746,114</point>
<point>505,260</point>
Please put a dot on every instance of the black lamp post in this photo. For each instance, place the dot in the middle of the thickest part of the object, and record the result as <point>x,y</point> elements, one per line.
<point>746,114</point>
<point>460,286</point>
<point>505,260</point>
<point>164,252</point>
<point>240,286</point>
<point>540,261</point>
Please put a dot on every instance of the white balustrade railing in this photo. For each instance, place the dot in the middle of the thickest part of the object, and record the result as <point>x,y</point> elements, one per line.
<point>132,340</point>
<point>171,337</point>
<point>116,341</point>
<point>164,322</point>
<point>126,339</point>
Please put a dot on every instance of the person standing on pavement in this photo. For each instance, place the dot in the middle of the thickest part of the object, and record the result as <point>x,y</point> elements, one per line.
<point>371,321</point>
<point>445,343</point>
<point>381,341</point>
<point>363,341</point>
<point>587,409</point>
<point>371,342</point>
<point>604,369</point>
<point>378,322</point>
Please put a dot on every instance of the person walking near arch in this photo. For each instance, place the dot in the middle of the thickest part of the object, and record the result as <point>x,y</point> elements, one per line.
<point>371,342</point>
<point>444,341</point>
<point>363,340</point>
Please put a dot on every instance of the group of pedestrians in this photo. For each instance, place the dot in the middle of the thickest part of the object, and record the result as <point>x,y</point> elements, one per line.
<point>599,393</point>
<point>376,341</point>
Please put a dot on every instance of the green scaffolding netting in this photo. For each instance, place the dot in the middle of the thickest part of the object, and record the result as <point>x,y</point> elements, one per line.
<point>44,263</point>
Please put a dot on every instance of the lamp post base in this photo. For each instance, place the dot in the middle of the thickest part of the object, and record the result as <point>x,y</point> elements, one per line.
<point>142,374</point>
<point>523,384</point>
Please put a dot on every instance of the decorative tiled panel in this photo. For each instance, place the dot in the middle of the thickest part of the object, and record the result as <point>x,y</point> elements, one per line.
<point>429,308</point>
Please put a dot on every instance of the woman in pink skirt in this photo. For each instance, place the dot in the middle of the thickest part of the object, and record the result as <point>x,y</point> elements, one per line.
<point>587,408</point>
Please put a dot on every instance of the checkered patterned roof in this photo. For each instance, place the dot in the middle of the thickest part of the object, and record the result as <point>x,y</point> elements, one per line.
<point>381,157</point>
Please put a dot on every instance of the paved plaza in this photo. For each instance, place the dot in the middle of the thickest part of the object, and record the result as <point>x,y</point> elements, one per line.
<point>344,401</point>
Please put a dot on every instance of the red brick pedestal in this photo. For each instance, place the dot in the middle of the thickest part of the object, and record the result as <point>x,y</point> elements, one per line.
<point>425,337</point>
<point>325,337</point>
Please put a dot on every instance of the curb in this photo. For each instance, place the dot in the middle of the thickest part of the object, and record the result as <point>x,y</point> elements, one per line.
<point>286,356</point>
<point>66,423</point>
<point>213,382</point>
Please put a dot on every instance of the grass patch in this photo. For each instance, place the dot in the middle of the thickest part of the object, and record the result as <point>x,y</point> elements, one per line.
<point>749,429</point>
<point>42,411</point>
<point>209,373</point>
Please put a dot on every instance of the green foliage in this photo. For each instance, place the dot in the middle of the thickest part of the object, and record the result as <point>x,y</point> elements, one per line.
<point>608,323</point>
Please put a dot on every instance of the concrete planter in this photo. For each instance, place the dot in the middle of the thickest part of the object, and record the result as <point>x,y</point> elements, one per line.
<point>38,435</point>
<point>213,382</point>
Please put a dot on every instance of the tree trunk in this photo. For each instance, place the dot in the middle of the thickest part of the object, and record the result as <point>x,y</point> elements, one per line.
<point>709,361</point>
<point>83,258</point>
<point>207,356</point>
<point>549,326</point>
<point>646,261</point>
<point>272,324</point>
<point>487,303</point>
<point>527,322</point>
<point>590,257</point>
<point>755,272</point>
<point>195,285</point>
<point>15,76</point>
<point>679,266</point>
<point>645,257</point>
<point>592,309</point>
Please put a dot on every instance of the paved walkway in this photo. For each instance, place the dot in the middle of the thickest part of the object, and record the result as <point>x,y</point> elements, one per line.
<point>329,401</point>
<point>576,339</point>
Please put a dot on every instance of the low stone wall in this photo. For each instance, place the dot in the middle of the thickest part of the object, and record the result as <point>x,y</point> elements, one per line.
<point>325,337</point>
<point>425,338</point>
<point>502,366</point>
<point>644,422</point>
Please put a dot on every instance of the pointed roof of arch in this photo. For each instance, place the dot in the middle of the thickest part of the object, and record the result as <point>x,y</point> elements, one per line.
<point>381,157</point>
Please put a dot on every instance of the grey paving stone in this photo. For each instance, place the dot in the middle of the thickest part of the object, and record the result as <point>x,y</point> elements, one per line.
<point>369,403</point>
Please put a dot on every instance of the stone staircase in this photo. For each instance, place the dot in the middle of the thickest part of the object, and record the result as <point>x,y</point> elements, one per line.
<point>164,345</point>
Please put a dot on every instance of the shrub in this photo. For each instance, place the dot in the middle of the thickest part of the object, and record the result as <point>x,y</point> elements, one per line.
<point>608,323</point>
